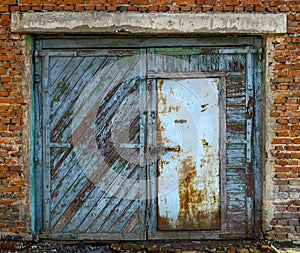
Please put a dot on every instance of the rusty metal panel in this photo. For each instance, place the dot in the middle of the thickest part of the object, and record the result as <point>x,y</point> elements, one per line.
<point>188,130</point>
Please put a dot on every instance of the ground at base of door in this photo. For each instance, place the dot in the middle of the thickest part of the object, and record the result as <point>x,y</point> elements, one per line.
<point>153,247</point>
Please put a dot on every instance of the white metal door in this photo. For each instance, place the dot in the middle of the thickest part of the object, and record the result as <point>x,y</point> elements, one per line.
<point>188,130</point>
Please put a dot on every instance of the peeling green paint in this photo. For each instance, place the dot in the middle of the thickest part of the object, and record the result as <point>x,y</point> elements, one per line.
<point>28,44</point>
<point>29,49</point>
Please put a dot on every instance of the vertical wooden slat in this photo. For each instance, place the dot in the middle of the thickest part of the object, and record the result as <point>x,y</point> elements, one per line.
<point>152,160</point>
<point>143,129</point>
<point>46,149</point>
<point>257,142</point>
<point>38,146</point>
<point>223,141</point>
<point>250,127</point>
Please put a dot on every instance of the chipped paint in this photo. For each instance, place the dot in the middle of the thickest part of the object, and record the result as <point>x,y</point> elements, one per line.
<point>188,184</point>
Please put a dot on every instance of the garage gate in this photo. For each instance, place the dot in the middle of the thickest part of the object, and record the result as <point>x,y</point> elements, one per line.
<point>147,138</point>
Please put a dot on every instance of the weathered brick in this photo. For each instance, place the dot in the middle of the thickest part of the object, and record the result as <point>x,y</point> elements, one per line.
<point>250,2</point>
<point>229,2</point>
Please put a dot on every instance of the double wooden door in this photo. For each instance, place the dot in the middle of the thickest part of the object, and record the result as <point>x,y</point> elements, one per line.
<point>146,143</point>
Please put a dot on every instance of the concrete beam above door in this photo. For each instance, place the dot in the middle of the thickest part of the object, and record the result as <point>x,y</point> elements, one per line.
<point>147,23</point>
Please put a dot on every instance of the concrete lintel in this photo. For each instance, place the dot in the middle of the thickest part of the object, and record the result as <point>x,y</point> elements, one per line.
<point>150,23</point>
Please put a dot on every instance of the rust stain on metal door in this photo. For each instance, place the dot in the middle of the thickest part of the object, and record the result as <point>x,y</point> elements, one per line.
<point>188,165</point>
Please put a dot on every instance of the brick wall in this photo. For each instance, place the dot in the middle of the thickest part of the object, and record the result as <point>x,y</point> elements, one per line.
<point>283,131</point>
<point>282,106</point>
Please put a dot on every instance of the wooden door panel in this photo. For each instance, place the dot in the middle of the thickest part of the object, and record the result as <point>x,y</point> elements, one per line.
<point>94,182</point>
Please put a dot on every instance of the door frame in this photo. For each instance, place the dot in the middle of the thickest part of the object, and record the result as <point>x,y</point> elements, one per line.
<point>49,43</point>
<point>152,215</point>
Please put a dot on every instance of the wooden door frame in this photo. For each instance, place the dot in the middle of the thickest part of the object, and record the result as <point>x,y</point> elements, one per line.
<point>152,215</point>
<point>49,42</point>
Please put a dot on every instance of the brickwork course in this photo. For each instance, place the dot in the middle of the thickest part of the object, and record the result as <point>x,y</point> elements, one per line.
<point>282,112</point>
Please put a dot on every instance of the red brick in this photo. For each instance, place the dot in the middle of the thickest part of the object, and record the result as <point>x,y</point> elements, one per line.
<point>279,100</point>
<point>229,2</point>
<point>73,2</point>
<point>101,8</point>
<point>153,8</point>
<point>250,1</point>
<point>69,7</point>
<point>184,2</point>
<point>284,9</point>
<point>139,2</point>
<point>282,134</point>
<point>294,73</point>
<point>272,9</point>
<point>38,2</point>
<point>111,8</point>
<point>9,2</point>
<point>58,8</point>
<point>218,8</point>
<point>10,189</point>
<point>228,8</point>
<point>295,155</point>
<point>185,8</point>
<point>6,58</point>
<point>283,80</point>
<point>259,8</point>
<point>3,8</point>
<point>295,8</point>
<point>249,8</point>
<point>282,141</point>
<point>95,1</point>
<point>207,8</point>
<point>174,8</point>
<point>134,8</point>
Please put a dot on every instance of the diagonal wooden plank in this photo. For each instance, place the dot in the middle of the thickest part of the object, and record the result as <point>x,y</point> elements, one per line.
<point>125,190</point>
<point>92,197</point>
<point>126,205</point>
<point>79,202</point>
<point>72,86</point>
<point>133,225</point>
<point>76,203</point>
<point>77,79</point>
<point>66,197</point>
<point>58,65</point>
<point>59,80</point>
<point>116,188</point>
<point>126,214</point>
<point>53,62</point>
